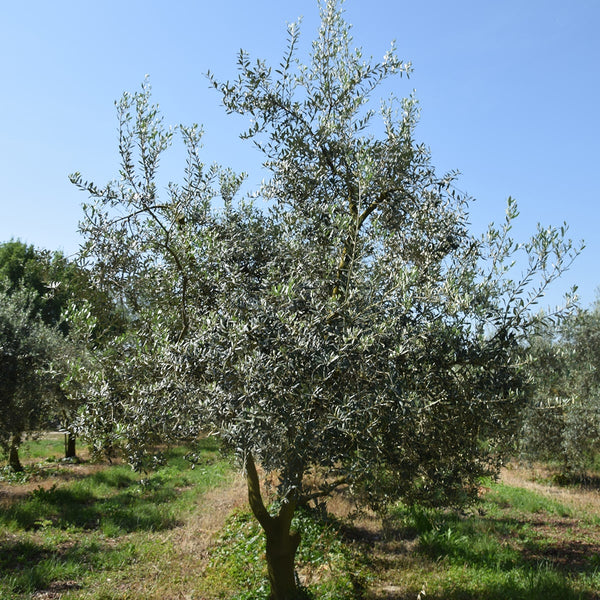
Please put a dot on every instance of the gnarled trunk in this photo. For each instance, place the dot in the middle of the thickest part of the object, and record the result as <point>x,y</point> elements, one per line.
<point>282,541</point>
<point>13,453</point>
<point>281,552</point>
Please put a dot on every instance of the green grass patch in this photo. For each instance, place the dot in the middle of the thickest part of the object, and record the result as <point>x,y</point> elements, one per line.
<point>496,551</point>
<point>48,447</point>
<point>116,500</point>
<point>83,536</point>
<point>525,501</point>
<point>40,458</point>
<point>117,535</point>
<point>29,566</point>
<point>539,582</point>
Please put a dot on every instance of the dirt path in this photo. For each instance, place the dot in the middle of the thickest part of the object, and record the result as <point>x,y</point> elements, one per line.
<point>216,505</point>
<point>186,555</point>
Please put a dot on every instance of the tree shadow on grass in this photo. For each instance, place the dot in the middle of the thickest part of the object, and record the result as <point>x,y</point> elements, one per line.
<point>28,566</point>
<point>532,587</point>
<point>130,508</point>
<point>92,513</point>
<point>471,557</point>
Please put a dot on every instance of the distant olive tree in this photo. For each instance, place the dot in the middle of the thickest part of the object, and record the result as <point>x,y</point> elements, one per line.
<point>562,423</point>
<point>344,331</point>
<point>60,289</point>
<point>27,346</point>
<point>51,276</point>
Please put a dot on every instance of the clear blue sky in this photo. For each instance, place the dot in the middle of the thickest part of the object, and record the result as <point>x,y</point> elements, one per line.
<point>509,94</point>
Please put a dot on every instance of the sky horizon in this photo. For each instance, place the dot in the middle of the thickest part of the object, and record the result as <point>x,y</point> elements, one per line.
<point>507,92</point>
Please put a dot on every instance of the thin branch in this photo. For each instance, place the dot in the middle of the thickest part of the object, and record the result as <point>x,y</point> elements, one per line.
<point>324,491</point>
<point>139,212</point>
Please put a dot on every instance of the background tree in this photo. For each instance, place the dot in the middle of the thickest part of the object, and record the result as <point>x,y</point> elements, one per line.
<point>27,345</point>
<point>49,275</point>
<point>72,370</point>
<point>582,333</point>
<point>59,287</point>
<point>92,320</point>
<point>354,334</point>
<point>563,421</point>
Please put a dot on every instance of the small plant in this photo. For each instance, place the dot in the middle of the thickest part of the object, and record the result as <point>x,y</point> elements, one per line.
<point>9,475</point>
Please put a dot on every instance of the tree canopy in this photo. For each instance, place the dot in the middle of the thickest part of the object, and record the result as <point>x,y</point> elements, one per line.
<point>57,291</point>
<point>24,266</point>
<point>343,327</point>
<point>55,280</point>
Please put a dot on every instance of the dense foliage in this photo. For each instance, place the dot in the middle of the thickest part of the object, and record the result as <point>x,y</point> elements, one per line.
<point>49,276</point>
<point>344,328</point>
<point>27,347</point>
<point>50,288</point>
<point>562,423</point>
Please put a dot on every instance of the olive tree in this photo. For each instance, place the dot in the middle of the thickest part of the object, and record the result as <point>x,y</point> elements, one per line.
<point>343,328</point>
<point>51,276</point>
<point>562,422</point>
<point>60,293</point>
<point>27,346</point>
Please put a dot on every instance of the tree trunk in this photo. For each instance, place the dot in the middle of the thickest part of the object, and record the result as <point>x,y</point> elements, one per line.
<point>13,454</point>
<point>281,552</point>
<point>282,542</point>
<point>70,445</point>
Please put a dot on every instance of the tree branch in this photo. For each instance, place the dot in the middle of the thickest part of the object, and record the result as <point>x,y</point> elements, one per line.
<point>254,496</point>
<point>324,491</point>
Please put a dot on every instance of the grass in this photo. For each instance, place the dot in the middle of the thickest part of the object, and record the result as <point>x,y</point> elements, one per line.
<point>40,458</point>
<point>78,539</point>
<point>523,501</point>
<point>89,532</point>
<point>50,448</point>
<point>516,544</point>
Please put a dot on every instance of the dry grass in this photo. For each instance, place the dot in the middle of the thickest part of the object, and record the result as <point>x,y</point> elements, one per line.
<point>201,527</point>
<point>175,572</point>
<point>553,550</point>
